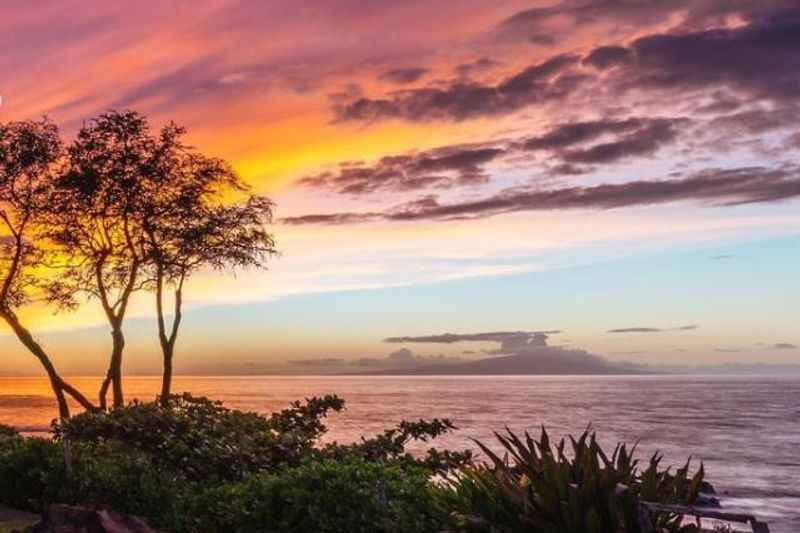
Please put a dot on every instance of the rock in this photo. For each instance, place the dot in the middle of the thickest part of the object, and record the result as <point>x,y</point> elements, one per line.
<point>707,487</point>
<point>706,500</point>
<point>69,519</point>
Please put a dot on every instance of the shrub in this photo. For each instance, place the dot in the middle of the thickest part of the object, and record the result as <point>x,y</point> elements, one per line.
<point>108,476</point>
<point>541,488</point>
<point>353,495</point>
<point>390,446</point>
<point>194,466</point>
<point>201,440</point>
<point>31,472</point>
<point>7,431</point>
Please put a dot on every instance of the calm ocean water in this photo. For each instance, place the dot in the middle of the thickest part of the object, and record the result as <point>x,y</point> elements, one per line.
<point>745,429</point>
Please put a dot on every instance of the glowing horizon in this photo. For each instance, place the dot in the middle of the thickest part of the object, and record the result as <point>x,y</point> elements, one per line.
<point>522,151</point>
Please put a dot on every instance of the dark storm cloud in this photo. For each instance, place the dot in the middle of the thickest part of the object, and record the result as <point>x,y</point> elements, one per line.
<point>402,76</point>
<point>540,83</point>
<point>492,336</point>
<point>442,167</point>
<point>747,185</point>
<point>690,327</point>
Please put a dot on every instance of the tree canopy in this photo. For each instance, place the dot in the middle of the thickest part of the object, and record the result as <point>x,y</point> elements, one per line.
<point>29,156</point>
<point>123,209</point>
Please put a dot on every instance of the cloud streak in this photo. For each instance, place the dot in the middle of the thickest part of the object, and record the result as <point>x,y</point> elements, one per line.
<point>540,83</point>
<point>784,346</point>
<point>442,168</point>
<point>492,336</point>
<point>403,76</point>
<point>689,327</point>
<point>715,187</point>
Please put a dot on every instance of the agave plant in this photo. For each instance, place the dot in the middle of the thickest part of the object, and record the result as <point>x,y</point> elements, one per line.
<point>538,486</point>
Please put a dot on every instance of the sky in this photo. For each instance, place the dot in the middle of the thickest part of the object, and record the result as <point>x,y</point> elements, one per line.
<point>624,172</point>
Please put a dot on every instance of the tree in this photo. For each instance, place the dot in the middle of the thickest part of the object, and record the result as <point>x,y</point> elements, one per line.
<point>94,217</point>
<point>188,228</point>
<point>28,153</point>
<point>134,210</point>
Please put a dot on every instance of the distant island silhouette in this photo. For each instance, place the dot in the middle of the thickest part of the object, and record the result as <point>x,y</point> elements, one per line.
<point>547,363</point>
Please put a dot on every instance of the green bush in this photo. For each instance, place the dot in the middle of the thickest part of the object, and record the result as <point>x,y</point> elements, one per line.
<point>109,476</point>
<point>390,447</point>
<point>195,466</point>
<point>31,472</point>
<point>542,488</point>
<point>320,496</point>
<point>201,440</point>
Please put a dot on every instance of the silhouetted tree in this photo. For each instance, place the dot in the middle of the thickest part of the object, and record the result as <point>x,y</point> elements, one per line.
<point>95,219</point>
<point>134,210</point>
<point>28,153</point>
<point>189,227</point>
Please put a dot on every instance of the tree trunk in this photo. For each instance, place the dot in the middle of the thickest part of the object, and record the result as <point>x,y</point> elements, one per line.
<point>113,377</point>
<point>115,369</point>
<point>103,394</point>
<point>166,380</point>
<point>77,396</point>
<point>58,390</point>
<point>168,340</point>
<point>56,383</point>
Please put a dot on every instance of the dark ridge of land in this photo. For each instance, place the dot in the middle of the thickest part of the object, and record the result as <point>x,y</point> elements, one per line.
<point>519,365</point>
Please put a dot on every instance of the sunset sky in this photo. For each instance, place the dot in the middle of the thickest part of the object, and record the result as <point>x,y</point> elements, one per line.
<point>624,171</point>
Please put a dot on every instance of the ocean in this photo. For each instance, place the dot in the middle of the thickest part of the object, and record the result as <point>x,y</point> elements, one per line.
<point>746,430</point>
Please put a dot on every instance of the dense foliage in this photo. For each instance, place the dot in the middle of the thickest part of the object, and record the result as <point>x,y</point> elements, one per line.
<point>200,440</point>
<point>543,488</point>
<point>191,465</point>
<point>352,495</point>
